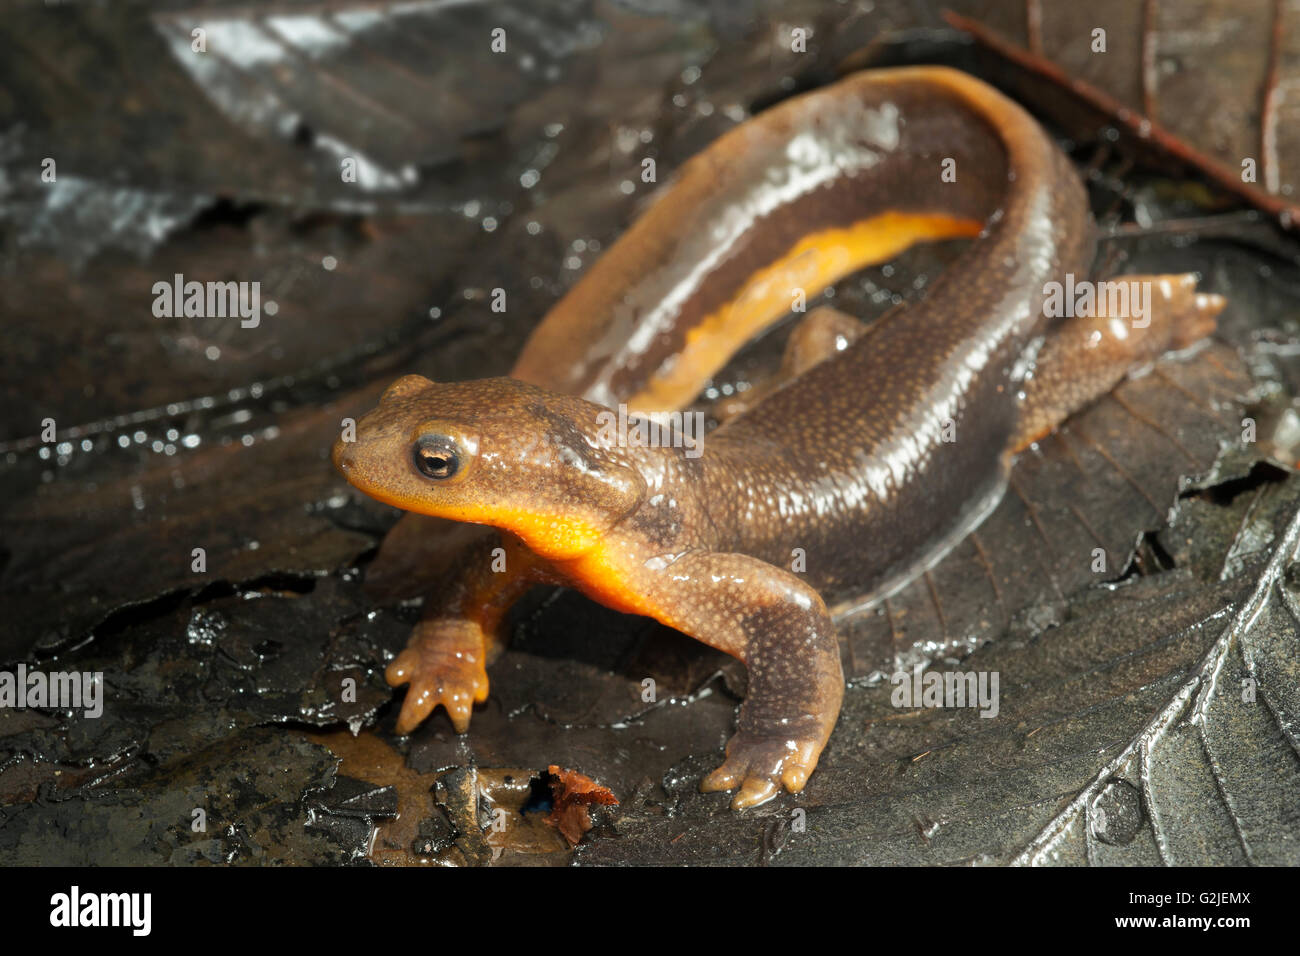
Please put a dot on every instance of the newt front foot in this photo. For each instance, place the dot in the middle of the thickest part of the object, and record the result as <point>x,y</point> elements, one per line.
<point>444,663</point>
<point>760,763</point>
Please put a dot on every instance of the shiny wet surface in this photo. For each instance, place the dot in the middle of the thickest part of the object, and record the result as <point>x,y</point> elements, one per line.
<point>234,690</point>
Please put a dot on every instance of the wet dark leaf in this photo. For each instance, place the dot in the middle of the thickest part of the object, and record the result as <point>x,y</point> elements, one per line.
<point>253,689</point>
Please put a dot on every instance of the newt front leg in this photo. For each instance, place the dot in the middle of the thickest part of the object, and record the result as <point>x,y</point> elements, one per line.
<point>764,616</point>
<point>445,661</point>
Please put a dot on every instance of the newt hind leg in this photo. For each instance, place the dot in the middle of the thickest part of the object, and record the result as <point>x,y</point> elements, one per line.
<point>822,333</point>
<point>1085,357</point>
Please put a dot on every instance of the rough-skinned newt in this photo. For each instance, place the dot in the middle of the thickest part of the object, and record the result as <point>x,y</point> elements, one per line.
<point>878,449</point>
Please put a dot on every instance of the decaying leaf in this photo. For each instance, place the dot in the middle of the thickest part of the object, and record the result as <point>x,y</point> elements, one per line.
<point>573,795</point>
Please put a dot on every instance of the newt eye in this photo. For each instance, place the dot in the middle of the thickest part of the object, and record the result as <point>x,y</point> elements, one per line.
<point>437,456</point>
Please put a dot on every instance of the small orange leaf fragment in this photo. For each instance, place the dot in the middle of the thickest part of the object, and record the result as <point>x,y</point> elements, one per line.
<point>572,793</point>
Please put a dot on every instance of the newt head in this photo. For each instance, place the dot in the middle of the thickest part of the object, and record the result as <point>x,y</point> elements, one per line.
<point>498,452</point>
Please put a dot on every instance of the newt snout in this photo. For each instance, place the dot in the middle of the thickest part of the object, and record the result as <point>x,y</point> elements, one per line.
<point>497,452</point>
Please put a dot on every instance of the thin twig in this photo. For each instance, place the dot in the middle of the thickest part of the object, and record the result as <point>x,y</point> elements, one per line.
<point>1149,58</point>
<point>1268,163</point>
<point>1034,25</point>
